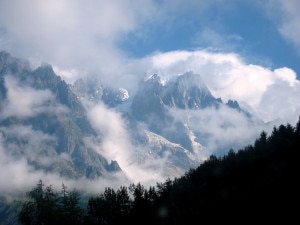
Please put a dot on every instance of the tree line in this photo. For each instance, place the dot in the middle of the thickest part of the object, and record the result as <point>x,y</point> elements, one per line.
<point>254,184</point>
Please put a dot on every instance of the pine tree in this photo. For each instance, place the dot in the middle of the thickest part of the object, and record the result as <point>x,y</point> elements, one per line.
<point>41,208</point>
<point>71,212</point>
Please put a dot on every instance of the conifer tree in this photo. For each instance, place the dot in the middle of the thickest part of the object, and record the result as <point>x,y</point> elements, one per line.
<point>41,208</point>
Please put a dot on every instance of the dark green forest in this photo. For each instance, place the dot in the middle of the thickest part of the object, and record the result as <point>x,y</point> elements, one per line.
<point>258,183</point>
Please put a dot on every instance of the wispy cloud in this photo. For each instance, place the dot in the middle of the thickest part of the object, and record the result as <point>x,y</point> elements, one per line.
<point>287,18</point>
<point>18,173</point>
<point>115,143</point>
<point>24,101</point>
<point>220,130</point>
<point>216,40</point>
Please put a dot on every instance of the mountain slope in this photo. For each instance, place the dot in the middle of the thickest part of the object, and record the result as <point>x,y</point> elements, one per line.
<point>149,144</point>
<point>170,108</point>
<point>46,122</point>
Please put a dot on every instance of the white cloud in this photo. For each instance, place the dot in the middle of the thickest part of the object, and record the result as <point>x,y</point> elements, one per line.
<point>287,75</point>
<point>69,76</point>
<point>115,144</point>
<point>71,34</point>
<point>24,101</point>
<point>14,170</point>
<point>286,16</point>
<point>280,102</point>
<point>20,176</point>
<point>219,129</point>
<point>290,24</point>
<point>210,38</point>
<point>111,127</point>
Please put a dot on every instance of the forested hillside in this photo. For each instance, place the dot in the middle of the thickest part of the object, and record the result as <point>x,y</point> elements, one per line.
<point>258,183</point>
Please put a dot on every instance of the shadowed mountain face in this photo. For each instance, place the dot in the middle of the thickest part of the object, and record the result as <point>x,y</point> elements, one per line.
<point>43,121</point>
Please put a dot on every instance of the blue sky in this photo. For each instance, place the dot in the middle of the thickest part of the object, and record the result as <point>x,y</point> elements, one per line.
<point>243,27</point>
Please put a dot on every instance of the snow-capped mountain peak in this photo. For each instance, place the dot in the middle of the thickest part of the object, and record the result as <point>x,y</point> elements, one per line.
<point>123,94</point>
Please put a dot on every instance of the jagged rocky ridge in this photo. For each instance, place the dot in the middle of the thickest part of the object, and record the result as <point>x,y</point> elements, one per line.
<point>150,120</point>
<point>54,132</point>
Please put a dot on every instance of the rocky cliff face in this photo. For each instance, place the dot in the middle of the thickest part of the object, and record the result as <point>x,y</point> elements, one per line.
<point>154,101</point>
<point>188,91</point>
<point>51,134</point>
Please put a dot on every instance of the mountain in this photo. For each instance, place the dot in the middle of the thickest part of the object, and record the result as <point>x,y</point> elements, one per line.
<point>149,146</point>
<point>94,91</point>
<point>55,131</point>
<point>45,119</point>
<point>152,121</point>
<point>150,110</point>
<point>154,98</point>
<point>154,101</point>
<point>45,122</point>
<point>169,108</point>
